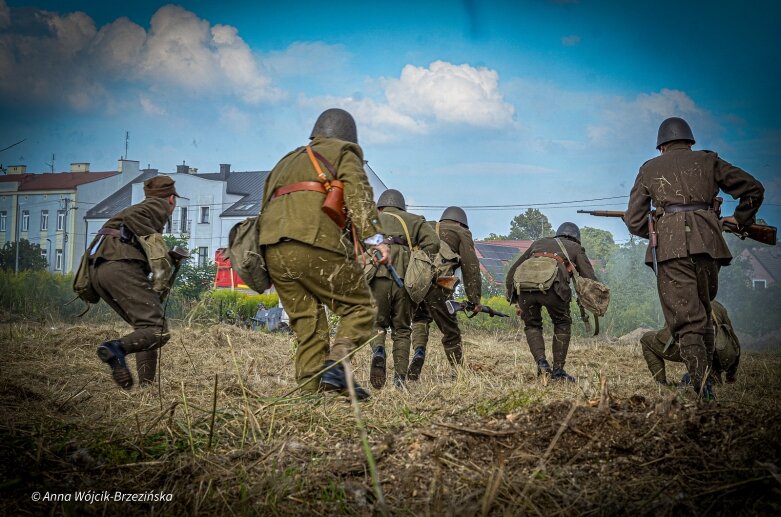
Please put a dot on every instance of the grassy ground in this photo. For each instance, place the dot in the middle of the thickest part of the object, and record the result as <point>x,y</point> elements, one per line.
<point>217,435</point>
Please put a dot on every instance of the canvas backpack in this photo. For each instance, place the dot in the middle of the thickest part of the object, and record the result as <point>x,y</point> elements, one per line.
<point>420,270</point>
<point>727,345</point>
<point>446,260</point>
<point>160,262</point>
<point>535,274</point>
<point>82,285</point>
<point>592,295</point>
<point>246,255</point>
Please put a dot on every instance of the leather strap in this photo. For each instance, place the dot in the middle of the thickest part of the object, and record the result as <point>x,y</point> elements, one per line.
<point>671,209</point>
<point>311,186</point>
<point>559,258</point>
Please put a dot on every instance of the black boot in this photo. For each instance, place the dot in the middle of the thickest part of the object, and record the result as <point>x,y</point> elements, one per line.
<point>377,372</point>
<point>560,375</point>
<point>543,368</point>
<point>416,365</point>
<point>336,380</point>
<point>112,353</point>
<point>399,381</point>
<point>146,367</point>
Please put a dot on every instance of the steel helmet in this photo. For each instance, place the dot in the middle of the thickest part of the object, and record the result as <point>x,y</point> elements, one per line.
<point>455,213</point>
<point>570,230</point>
<point>335,123</point>
<point>672,129</point>
<point>392,197</point>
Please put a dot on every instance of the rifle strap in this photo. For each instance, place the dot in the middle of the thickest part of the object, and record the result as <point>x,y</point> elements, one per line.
<point>570,269</point>
<point>404,227</point>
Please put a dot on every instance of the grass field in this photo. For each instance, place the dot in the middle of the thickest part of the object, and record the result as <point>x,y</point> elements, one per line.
<point>219,437</point>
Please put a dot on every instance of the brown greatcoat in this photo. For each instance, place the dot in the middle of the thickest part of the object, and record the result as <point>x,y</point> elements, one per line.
<point>682,176</point>
<point>460,241</point>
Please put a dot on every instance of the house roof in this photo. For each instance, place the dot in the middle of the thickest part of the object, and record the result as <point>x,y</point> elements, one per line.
<point>770,259</point>
<point>117,201</point>
<point>494,256</point>
<point>55,181</point>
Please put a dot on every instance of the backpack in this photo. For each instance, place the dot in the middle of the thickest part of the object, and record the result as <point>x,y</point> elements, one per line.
<point>592,295</point>
<point>727,345</point>
<point>446,261</point>
<point>160,262</point>
<point>81,281</point>
<point>246,255</point>
<point>535,274</point>
<point>420,270</point>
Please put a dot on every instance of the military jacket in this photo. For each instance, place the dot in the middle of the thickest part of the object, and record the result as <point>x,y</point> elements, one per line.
<point>144,218</point>
<point>422,235</point>
<point>577,256</point>
<point>682,176</point>
<point>460,241</point>
<point>298,215</point>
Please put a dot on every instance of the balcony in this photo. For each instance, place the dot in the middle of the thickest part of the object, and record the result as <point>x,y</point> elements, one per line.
<point>181,228</point>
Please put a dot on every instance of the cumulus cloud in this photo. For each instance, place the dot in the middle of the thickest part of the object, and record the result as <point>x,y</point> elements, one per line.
<point>459,94</point>
<point>60,58</point>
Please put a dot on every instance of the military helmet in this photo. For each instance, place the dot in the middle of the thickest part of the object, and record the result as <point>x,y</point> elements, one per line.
<point>570,230</point>
<point>392,197</point>
<point>455,213</point>
<point>335,123</point>
<point>672,129</point>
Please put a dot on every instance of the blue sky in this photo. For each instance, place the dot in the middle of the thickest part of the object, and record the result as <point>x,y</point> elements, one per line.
<point>464,103</point>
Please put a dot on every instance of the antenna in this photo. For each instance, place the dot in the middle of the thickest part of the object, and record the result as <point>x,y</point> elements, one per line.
<point>51,165</point>
<point>127,137</point>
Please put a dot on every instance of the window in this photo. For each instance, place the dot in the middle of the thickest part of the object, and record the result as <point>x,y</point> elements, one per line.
<point>44,220</point>
<point>58,260</point>
<point>183,219</point>
<point>25,220</point>
<point>3,220</point>
<point>758,284</point>
<point>45,255</point>
<point>60,220</point>
<point>203,256</point>
<point>204,214</point>
<point>167,226</point>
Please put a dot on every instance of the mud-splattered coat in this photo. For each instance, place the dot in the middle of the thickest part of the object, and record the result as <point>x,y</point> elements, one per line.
<point>682,176</point>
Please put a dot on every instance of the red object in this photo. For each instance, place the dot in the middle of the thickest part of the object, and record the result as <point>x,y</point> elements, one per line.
<point>226,277</point>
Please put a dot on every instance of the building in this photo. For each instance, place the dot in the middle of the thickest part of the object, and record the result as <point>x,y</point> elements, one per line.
<point>765,264</point>
<point>212,204</point>
<point>496,257</point>
<point>48,209</point>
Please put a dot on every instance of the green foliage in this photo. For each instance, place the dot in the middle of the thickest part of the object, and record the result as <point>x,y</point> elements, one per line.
<point>193,279</point>
<point>531,225</point>
<point>30,258</point>
<point>227,305</point>
<point>495,237</point>
<point>599,244</point>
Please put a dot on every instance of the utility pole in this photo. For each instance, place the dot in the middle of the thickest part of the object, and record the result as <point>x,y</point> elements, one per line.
<point>68,208</point>
<point>16,233</point>
<point>51,165</point>
<point>127,137</point>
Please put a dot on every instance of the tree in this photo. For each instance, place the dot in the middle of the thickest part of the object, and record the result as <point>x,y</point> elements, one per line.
<point>531,225</point>
<point>494,237</point>
<point>193,279</point>
<point>599,244</point>
<point>30,258</point>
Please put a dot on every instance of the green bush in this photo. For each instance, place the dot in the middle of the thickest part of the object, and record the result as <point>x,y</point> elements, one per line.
<point>230,305</point>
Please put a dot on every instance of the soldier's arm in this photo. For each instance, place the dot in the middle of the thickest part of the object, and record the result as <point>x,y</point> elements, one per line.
<point>427,238</point>
<point>740,184</point>
<point>583,264</point>
<point>358,195</point>
<point>636,215</point>
<point>470,267</point>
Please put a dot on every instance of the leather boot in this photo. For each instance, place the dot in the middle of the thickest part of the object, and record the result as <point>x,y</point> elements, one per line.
<point>714,369</point>
<point>561,338</point>
<point>455,355</point>
<point>696,360</point>
<point>377,372</point>
<point>146,366</point>
<point>112,353</point>
<point>536,342</point>
<point>559,374</point>
<point>416,365</point>
<point>336,380</point>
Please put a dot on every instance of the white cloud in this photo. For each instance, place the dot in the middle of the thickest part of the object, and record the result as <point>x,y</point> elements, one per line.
<point>149,107</point>
<point>301,58</point>
<point>571,40</point>
<point>458,94</point>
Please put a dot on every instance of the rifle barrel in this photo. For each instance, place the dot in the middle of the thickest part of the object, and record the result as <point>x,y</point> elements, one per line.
<point>603,213</point>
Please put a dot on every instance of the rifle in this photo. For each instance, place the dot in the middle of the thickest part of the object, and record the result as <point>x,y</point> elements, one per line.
<point>763,233</point>
<point>392,270</point>
<point>454,307</point>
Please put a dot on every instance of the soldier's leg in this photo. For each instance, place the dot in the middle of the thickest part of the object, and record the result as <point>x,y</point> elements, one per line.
<point>658,347</point>
<point>382,292</point>
<point>531,314</point>
<point>685,313</point>
<point>286,262</point>
<point>124,286</point>
<point>421,319</point>
<point>400,323</point>
<point>559,312</point>
<point>448,325</point>
<point>146,366</point>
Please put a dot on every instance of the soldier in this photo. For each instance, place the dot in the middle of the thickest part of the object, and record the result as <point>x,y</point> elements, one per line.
<point>311,259</point>
<point>565,252</point>
<point>394,305</point>
<point>453,230</point>
<point>119,272</point>
<point>682,184</point>
<point>659,346</point>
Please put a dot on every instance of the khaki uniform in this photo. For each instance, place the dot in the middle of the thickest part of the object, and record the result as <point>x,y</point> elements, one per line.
<point>433,306</point>
<point>118,273</point>
<point>659,346</point>
<point>556,299</point>
<point>394,305</point>
<point>690,247</point>
<point>310,259</point>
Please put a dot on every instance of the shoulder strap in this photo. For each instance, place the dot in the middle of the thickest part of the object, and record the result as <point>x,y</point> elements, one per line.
<point>316,158</point>
<point>571,268</point>
<point>406,230</point>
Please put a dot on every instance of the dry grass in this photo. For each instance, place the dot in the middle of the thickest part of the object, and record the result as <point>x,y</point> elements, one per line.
<point>491,441</point>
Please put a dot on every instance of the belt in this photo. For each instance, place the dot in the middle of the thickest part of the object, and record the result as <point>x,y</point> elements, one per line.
<point>109,231</point>
<point>311,186</point>
<point>558,258</point>
<point>671,209</point>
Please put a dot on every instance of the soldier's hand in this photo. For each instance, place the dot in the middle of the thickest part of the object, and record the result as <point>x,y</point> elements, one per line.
<point>384,251</point>
<point>477,308</point>
<point>518,311</point>
<point>731,219</point>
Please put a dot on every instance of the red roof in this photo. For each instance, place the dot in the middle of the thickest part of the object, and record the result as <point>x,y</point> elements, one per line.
<point>61,181</point>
